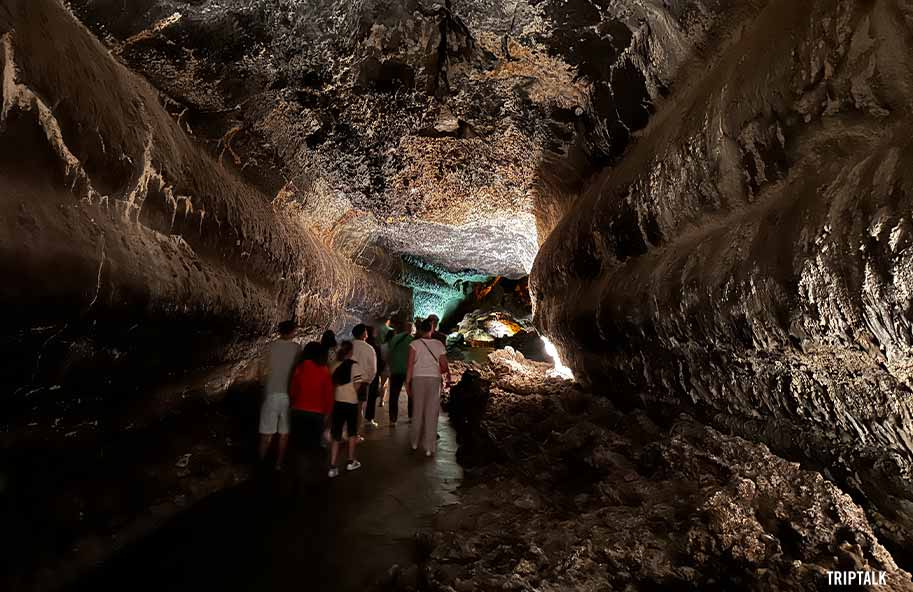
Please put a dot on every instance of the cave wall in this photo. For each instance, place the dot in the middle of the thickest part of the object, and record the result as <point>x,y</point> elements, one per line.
<point>750,256</point>
<point>125,247</point>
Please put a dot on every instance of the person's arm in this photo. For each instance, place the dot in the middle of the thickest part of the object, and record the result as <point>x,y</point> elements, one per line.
<point>358,380</point>
<point>409,367</point>
<point>444,367</point>
<point>372,365</point>
<point>263,367</point>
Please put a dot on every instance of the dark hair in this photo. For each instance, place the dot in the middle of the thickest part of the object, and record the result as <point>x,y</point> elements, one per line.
<point>287,327</point>
<point>328,340</point>
<point>359,331</point>
<point>345,348</point>
<point>424,326</point>
<point>314,352</point>
<point>388,337</point>
<point>343,372</point>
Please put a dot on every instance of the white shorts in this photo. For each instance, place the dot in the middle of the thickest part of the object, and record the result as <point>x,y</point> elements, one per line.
<point>274,414</point>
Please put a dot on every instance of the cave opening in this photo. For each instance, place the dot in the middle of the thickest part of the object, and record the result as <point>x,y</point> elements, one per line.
<point>667,245</point>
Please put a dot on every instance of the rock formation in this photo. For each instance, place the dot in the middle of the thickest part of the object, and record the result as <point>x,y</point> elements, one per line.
<point>749,257</point>
<point>566,492</point>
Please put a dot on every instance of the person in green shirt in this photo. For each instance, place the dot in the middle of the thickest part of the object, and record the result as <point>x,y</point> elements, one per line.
<point>398,359</point>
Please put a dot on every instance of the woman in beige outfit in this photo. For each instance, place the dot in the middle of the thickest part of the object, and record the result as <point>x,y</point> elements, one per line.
<point>426,370</point>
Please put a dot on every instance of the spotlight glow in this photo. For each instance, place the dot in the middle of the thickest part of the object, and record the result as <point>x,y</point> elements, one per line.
<point>560,370</point>
<point>502,329</point>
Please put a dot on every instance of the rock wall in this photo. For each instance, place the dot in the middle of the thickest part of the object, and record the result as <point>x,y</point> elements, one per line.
<point>750,256</point>
<point>124,246</point>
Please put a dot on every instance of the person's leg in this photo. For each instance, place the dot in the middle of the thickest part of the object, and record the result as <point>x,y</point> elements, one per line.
<point>353,463</point>
<point>269,421</point>
<point>396,385</point>
<point>280,450</point>
<point>263,447</point>
<point>418,405</point>
<point>353,442</point>
<point>282,428</point>
<point>360,418</point>
<point>382,396</point>
<point>373,391</point>
<point>338,419</point>
<point>431,414</point>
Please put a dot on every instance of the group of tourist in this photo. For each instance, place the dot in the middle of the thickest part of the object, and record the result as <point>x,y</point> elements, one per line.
<point>329,391</point>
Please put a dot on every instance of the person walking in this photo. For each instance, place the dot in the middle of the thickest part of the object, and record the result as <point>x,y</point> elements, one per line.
<point>275,372</point>
<point>365,356</point>
<point>435,334</point>
<point>427,366</point>
<point>329,343</point>
<point>374,391</point>
<point>311,399</point>
<point>398,360</point>
<point>347,382</point>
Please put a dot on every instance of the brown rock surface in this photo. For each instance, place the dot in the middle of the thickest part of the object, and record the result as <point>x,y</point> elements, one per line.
<point>577,495</point>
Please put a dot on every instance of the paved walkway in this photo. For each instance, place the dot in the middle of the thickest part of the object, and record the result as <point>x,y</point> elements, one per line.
<point>274,533</point>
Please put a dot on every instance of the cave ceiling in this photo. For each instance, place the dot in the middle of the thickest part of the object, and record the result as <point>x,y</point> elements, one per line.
<point>455,133</point>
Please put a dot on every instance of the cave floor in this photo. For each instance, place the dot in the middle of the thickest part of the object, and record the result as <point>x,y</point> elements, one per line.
<point>299,528</point>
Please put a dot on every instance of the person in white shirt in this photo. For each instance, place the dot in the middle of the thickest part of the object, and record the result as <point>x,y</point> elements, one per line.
<point>276,372</point>
<point>366,358</point>
<point>427,367</point>
<point>348,389</point>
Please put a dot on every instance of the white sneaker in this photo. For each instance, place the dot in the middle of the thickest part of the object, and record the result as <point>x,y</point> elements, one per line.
<point>353,465</point>
<point>414,446</point>
<point>428,453</point>
<point>373,423</point>
<point>333,472</point>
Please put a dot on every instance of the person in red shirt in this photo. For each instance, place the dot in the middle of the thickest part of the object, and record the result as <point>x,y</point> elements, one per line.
<point>311,395</point>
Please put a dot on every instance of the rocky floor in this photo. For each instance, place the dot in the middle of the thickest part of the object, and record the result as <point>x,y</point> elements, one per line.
<point>74,492</point>
<point>565,492</point>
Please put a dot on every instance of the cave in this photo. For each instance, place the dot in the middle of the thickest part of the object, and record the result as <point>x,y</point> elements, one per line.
<point>665,241</point>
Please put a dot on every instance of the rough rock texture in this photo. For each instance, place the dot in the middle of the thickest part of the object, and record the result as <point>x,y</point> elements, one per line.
<point>568,493</point>
<point>750,256</point>
<point>125,246</point>
<point>453,131</point>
